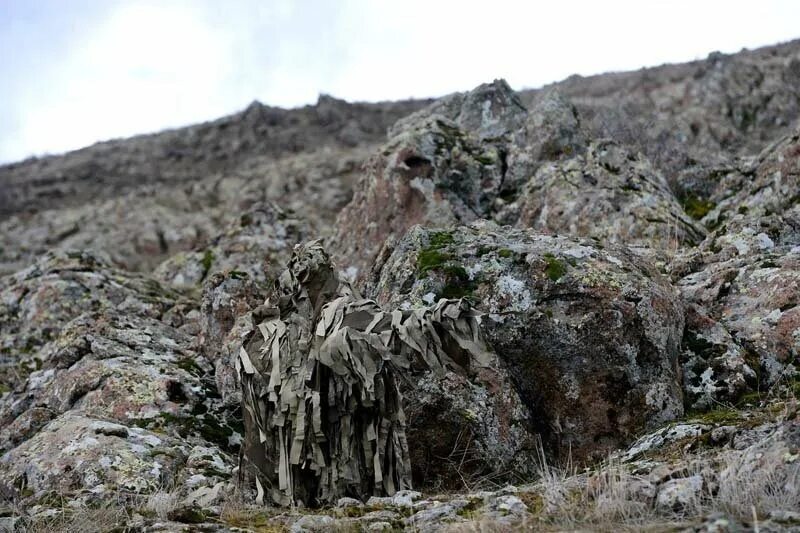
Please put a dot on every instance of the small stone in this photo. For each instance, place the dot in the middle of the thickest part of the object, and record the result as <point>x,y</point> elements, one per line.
<point>380,501</point>
<point>313,523</point>
<point>722,434</point>
<point>679,493</point>
<point>438,513</point>
<point>205,497</point>
<point>382,515</point>
<point>718,523</point>
<point>511,504</point>
<point>785,517</point>
<point>344,503</point>
<point>508,489</point>
<point>380,526</point>
<point>405,498</point>
<point>7,523</point>
<point>110,430</point>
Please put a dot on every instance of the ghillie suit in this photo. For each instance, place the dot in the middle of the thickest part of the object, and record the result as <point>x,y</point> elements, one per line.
<point>321,383</point>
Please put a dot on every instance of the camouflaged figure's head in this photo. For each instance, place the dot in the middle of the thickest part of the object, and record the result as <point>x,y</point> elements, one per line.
<point>310,275</point>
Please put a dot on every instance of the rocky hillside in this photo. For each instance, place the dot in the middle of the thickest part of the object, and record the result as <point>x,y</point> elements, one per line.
<point>629,245</point>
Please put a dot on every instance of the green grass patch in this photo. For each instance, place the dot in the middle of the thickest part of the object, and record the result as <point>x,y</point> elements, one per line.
<point>716,416</point>
<point>696,207</point>
<point>555,268</point>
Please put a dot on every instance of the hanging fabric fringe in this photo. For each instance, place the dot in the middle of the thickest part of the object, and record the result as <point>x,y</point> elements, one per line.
<point>320,375</point>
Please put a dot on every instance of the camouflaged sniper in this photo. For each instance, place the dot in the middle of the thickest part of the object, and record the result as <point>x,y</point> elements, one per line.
<point>321,383</point>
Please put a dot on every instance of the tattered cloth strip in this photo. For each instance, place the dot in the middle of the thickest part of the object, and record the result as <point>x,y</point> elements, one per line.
<point>320,381</point>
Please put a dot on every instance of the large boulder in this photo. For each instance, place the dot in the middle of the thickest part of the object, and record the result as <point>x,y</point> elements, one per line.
<point>610,193</point>
<point>114,395</point>
<point>564,177</point>
<point>37,302</point>
<point>692,120</point>
<point>482,155</point>
<point>744,278</point>
<point>589,335</point>
<point>442,165</point>
<point>751,286</point>
<point>716,368</point>
<point>227,301</point>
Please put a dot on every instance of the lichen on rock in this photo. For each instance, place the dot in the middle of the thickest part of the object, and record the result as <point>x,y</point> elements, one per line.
<point>588,337</point>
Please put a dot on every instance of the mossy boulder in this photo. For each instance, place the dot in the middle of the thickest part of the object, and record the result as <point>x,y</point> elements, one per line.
<point>589,338</point>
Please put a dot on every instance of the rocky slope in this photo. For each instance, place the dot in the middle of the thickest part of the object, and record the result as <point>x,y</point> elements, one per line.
<point>631,242</point>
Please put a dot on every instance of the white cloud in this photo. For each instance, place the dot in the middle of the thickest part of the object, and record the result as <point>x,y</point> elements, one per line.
<point>147,65</point>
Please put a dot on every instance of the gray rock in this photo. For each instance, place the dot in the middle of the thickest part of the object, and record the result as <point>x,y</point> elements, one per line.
<point>120,398</point>
<point>715,368</point>
<point>312,523</point>
<point>382,515</point>
<point>606,182</point>
<point>785,517</point>
<point>588,337</point>
<point>681,493</point>
<point>752,293</point>
<point>718,523</point>
<point>405,498</point>
<point>437,514</point>
<point>722,434</point>
<point>656,440</point>
<point>506,508</point>
<point>441,166</point>
<point>7,524</point>
<point>345,503</point>
<point>380,526</point>
<point>256,246</point>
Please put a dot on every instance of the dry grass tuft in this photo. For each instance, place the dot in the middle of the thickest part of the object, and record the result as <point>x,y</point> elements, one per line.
<point>747,485</point>
<point>772,483</point>
<point>162,503</point>
<point>79,520</point>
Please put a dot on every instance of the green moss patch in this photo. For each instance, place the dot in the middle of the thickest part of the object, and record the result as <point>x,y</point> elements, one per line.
<point>696,207</point>
<point>190,366</point>
<point>433,258</point>
<point>440,239</point>
<point>199,423</point>
<point>428,260</point>
<point>207,262</point>
<point>555,268</point>
<point>458,285</point>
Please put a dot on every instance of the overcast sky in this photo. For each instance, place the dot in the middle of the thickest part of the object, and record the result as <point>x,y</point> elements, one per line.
<point>73,72</point>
